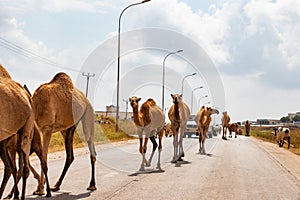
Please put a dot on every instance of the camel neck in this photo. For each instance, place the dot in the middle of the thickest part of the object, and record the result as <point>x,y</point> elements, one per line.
<point>176,111</point>
<point>136,117</point>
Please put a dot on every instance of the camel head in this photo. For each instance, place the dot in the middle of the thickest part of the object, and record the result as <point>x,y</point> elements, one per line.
<point>176,98</point>
<point>212,111</point>
<point>134,101</point>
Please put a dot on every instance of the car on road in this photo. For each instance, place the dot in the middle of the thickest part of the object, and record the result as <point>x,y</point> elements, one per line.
<point>191,129</point>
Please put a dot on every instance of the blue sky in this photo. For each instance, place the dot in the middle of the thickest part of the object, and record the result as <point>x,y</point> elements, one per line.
<point>253,44</point>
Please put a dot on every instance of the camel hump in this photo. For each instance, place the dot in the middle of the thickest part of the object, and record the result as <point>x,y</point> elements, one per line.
<point>145,110</point>
<point>4,73</point>
<point>62,79</point>
<point>151,102</point>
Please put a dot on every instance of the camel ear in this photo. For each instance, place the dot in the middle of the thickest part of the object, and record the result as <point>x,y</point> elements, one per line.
<point>139,99</point>
<point>172,95</point>
<point>181,95</point>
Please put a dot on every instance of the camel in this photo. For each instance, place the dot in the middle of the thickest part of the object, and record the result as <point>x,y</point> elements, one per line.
<point>225,124</point>
<point>16,118</point>
<point>149,120</point>
<point>167,130</point>
<point>179,114</point>
<point>247,128</point>
<point>233,128</point>
<point>59,106</point>
<point>203,119</point>
<point>16,133</point>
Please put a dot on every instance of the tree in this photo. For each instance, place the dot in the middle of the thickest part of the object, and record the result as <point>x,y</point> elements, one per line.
<point>296,118</point>
<point>285,119</point>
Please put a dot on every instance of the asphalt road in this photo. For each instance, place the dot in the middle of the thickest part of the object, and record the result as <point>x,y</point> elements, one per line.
<point>241,168</point>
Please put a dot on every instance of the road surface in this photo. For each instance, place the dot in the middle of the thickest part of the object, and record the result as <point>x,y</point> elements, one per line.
<point>241,168</point>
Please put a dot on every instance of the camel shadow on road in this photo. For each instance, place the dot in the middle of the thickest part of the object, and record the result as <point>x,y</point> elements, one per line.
<point>65,195</point>
<point>147,171</point>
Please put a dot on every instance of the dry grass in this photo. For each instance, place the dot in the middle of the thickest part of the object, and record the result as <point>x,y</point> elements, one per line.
<point>104,133</point>
<point>267,134</point>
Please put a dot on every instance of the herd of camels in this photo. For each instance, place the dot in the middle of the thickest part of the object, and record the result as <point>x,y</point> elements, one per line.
<point>27,123</point>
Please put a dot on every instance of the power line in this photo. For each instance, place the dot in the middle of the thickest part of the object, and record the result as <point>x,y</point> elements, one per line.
<point>30,55</point>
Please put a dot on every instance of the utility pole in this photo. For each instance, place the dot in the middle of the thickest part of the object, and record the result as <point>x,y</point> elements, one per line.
<point>126,101</point>
<point>88,75</point>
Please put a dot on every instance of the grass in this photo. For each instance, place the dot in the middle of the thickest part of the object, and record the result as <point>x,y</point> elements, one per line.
<point>104,133</point>
<point>267,134</point>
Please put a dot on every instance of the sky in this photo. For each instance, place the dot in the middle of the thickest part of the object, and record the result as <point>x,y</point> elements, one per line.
<point>246,53</point>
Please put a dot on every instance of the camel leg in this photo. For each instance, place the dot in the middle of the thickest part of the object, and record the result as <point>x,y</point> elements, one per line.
<point>180,145</point>
<point>46,141</point>
<point>159,151</point>
<point>152,139</point>
<point>175,145</point>
<point>289,141</point>
<point>68,136</point>
<point>9,168</point>
<point>92,185</point>
<point>44,167</point>
<point>88,129</point>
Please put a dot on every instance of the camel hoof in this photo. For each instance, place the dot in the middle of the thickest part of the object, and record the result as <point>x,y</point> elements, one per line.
<point>48,195</point>
<point>174,161</point>
<point>55,189</point>
<point>92,188</point>
<point>142,169</point>
<point>179,159</point>
<point>8,197</point>
<point>38,193</point>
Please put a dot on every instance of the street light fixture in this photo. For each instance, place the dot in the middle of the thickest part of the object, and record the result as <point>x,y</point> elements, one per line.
<point>118,70</point>
<point>163,82</point>
<point>192,99</point>
<point>201,98</point>
<point>193,74</point>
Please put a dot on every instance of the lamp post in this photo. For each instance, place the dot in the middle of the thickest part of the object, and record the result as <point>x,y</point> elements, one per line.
<point>193,74</point>
<point>163,78</point>
<point>118,67</point>
<point>201,98</point>
<point>192,99</point>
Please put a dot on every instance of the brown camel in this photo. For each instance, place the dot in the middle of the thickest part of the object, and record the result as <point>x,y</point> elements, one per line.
<point>59,106</point>
<point>247,128</point>
<point>16,118</point>
<point>17,123</point>
<point>233,128</point>
<point>225,124</point>
<point>203,119</point>
<point>149,120</point>
<point>179,114</point>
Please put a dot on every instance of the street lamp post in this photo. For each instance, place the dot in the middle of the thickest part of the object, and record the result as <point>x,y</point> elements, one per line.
<point>193,74</point>
<point>163,78</point>
<point>118,67</point>
<point>201,98</point>
<point>192,99</point>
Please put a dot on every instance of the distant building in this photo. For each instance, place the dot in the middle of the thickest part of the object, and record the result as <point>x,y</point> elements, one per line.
<point>111,112</point>
<point>267,122</point>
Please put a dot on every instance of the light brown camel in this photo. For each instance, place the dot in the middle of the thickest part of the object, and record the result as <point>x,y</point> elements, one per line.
<point>149,121</point>
<point>59,106</point>
<point>16,118</point>
<point>203,119</point>
<point>179,113</point>
<point>225,124</point>
<point>233,128</point>
<point>17,123</point>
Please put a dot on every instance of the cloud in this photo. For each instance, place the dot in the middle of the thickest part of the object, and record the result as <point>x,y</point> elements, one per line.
<point>241,37</point>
